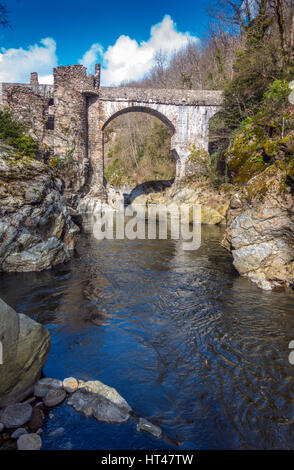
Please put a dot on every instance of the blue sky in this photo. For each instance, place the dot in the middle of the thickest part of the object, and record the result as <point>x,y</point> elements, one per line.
<point>124,35</point>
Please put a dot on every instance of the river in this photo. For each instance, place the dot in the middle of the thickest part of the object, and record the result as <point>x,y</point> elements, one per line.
<point>193,347</point>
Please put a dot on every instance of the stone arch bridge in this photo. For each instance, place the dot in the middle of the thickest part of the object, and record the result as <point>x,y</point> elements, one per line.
<point>69,117</point>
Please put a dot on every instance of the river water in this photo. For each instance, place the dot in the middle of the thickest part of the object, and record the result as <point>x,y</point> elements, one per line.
<point>189,344</point>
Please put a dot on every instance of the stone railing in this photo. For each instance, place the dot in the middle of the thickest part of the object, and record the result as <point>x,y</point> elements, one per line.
<point>161,96</point>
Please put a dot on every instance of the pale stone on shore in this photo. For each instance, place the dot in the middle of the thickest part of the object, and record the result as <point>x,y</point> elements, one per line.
<point>54,397</point>
<point>29,442</point>
<point>98,388</point>
<point>70,384</point>
<point>19,432</point>
<point>43,386</point>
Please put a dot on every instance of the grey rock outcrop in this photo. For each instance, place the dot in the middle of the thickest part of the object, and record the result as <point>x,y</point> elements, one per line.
<point>260,230</point>
<point>36,229</point>
<point>101,401</point>
<point>150,197</point>
<point>26,345</point>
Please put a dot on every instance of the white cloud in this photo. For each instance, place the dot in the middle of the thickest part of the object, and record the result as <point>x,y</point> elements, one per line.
<point>129,60</point>
<point>46,79</point>
<point>17,64</point>
<point>90,57</point>
<point>125,60</point>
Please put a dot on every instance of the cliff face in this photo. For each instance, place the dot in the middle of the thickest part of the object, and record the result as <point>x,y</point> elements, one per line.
<point>260,219</point>
<point>36,230</point>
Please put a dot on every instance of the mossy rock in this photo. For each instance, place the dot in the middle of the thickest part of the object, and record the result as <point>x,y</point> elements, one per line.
<point>251,167</point>
<point>252,151</point>
<point>272,179</point>
<point>227,188</point>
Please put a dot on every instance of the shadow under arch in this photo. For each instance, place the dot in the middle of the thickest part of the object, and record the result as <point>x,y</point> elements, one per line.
<point>147,187</point>
<point>142,109</point>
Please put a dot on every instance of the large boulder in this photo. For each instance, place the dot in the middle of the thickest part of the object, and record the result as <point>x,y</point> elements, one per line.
<point>94,398</point>
<point>36,228</point>
<point>25,344</point>
<point>260,229</point>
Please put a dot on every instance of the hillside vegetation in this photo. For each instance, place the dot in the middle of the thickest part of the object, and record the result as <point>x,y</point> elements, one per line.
<point>137,149</point>
<point>249,53</point>
<point>13,133</point>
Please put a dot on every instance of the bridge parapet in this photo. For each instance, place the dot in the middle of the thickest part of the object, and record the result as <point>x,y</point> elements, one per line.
<point>162,96</point>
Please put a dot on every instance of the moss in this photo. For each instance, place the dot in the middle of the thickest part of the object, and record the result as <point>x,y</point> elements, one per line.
<point>270,147</point>
<point>13,132</point>
<point>290,170</point>
<point>251,151</point>
<point>271,179</point>
<point>198,155</point>
<point>251,167</point>
<point>281,164</point>
<point>227,188</point>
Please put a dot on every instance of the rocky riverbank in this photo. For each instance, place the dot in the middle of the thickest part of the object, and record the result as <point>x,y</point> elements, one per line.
<point>214,202</point>
<point>36,228</point>
<point>260,230</point>
<point>26,400</point>
<point>21,423</point>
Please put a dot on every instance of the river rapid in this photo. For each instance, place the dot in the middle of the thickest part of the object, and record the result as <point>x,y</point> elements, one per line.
<point>193,347</point>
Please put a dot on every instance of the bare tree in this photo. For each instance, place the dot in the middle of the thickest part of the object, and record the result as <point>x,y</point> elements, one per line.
<point>4,22</point>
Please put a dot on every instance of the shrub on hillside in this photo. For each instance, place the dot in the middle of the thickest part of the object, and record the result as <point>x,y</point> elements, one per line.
<point>13,133</point>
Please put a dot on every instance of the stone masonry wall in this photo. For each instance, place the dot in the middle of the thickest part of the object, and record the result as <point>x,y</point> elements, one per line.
<point>70,126</point>
<point>30,104</point>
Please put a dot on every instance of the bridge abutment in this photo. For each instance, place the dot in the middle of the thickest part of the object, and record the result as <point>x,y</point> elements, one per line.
<point>95,148</point>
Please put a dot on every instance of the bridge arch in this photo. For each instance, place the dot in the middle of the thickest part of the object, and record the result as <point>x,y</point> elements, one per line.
<point>185,113</point>
<point>141,109</point>
<point>116,110</point>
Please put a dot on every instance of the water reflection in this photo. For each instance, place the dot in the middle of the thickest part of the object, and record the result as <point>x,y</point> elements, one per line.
<point>190,344</point>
